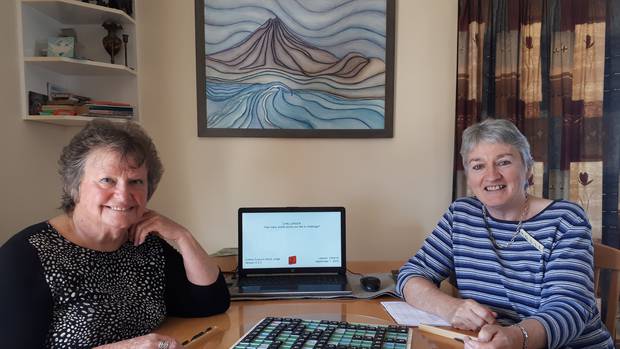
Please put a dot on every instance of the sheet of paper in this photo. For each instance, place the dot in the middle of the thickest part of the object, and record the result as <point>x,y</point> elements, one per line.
<point>405,314</point>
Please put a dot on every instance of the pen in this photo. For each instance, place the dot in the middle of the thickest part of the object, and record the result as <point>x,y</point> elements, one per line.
<point>458,336</point>
<point>197,335</point>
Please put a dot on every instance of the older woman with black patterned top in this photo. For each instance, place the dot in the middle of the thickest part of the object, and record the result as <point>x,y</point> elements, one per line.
<point>104,272</point>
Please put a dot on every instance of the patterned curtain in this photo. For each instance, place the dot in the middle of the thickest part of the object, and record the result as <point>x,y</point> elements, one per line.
<point>552,67</point>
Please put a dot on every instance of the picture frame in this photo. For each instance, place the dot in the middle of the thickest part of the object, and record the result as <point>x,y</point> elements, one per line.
<point>296,68</point>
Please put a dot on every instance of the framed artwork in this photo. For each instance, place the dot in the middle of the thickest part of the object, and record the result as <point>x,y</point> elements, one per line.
<point>295,68</point>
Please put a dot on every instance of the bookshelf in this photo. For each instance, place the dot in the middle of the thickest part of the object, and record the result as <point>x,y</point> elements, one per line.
<point>91,74</point>
<point>71,66</point>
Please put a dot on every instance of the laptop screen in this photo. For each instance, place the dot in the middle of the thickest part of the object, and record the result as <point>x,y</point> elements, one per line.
<point>291,239</point>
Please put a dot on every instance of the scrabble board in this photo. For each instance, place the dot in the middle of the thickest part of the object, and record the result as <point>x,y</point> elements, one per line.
<point>293,333</point>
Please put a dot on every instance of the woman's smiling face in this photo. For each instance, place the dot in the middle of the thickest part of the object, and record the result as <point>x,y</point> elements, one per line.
<point>497,176</point>
<point>113,191</point>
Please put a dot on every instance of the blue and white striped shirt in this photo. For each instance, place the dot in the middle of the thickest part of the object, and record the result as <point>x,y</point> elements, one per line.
<point>555,287</point>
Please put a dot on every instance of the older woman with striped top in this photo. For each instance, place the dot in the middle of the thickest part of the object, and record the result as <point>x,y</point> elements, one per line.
<point>523,264</point>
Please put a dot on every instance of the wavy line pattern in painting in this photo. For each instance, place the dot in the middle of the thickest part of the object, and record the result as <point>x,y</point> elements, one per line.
<point>325,24</point>
<point>294,64</point>
<point>275,106</point>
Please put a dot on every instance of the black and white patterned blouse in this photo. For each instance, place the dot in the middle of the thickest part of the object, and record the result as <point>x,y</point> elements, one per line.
<point>65,296</point>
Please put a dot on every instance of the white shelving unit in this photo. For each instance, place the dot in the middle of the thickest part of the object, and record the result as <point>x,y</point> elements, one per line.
<point>91,74</point>
<point>65,120</point>
<point>71,66</point>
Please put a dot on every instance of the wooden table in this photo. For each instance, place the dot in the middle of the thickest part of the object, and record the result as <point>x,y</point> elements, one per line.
<point>243,315</point>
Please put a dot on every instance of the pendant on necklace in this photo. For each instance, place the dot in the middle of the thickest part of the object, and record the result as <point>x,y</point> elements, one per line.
<point>530,239</point>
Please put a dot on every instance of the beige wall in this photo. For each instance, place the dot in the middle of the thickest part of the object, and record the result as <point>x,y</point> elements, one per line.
<point>394,189</point>
<point>29,185</point>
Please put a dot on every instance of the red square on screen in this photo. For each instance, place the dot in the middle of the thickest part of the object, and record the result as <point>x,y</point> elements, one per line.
<point>292,260</point>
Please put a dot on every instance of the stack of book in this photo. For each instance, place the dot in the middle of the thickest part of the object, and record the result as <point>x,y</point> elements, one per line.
<point>63,103</point>
<point>52,109</point>
<point>106,109</point>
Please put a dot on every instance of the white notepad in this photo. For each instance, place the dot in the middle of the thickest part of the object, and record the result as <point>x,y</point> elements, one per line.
<point>407,315</point>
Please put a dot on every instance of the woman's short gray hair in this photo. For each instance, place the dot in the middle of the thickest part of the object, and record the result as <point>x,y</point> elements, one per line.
<point>498,131</point>
<point>128,139</point>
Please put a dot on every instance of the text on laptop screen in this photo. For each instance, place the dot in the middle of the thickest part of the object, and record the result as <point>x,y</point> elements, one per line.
<point>291,240</point>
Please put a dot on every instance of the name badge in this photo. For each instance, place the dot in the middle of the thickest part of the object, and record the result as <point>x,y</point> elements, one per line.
<point>531,240</point>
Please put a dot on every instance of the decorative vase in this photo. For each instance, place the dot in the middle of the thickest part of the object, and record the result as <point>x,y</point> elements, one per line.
<point>111,42</point>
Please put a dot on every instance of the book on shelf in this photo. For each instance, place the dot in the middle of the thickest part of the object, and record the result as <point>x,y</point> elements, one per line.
<point>64,101</point>
<point>68,97</point>
<point>108,103</point>
<point>109,110</point>
<point>59,109</point>
<point>105,115</point>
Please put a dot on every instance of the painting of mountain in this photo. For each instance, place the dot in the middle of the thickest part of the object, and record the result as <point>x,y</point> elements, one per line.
<point>310,68</point>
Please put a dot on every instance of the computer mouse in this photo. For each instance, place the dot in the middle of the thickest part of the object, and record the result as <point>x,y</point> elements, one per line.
<point>370,283</point>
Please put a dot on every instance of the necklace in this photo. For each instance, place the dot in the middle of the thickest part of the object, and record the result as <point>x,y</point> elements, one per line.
<point>526,206</point>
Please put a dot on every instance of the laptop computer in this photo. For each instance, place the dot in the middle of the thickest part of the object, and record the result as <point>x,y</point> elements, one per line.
<point>292,251</point>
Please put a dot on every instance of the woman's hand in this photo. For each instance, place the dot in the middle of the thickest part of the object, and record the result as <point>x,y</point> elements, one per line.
<point>150,341</point>
<point>199,267</point>
<point>496,337</point>
<point>465,314</point>
<point>155,223</point>
<point>471,315</point>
